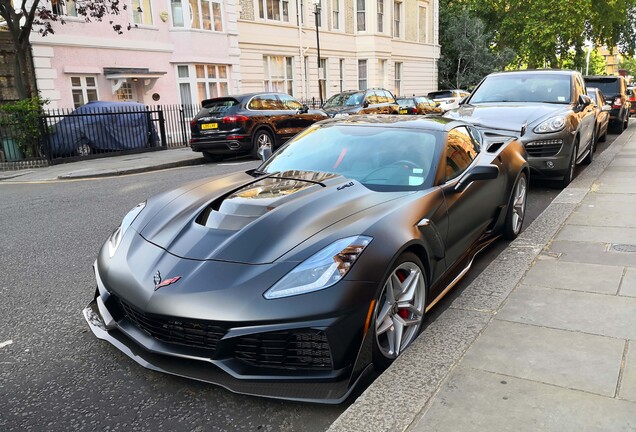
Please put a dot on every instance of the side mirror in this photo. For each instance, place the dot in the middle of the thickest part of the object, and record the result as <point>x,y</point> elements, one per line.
<point>584,100</point>
<point>462,101</point>
<point>485,172</point>
<point>264,153</point>
<point>606,108</point>
<point>365,104</point>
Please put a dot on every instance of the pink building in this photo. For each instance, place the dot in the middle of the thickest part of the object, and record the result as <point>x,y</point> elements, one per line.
<point>177,51</point>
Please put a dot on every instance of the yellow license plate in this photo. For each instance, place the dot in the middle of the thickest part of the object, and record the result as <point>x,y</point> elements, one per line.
<point>206,126</point>
<point>403,111</point>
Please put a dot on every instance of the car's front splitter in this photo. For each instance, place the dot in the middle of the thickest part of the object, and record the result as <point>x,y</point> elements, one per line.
<point>298,388</point>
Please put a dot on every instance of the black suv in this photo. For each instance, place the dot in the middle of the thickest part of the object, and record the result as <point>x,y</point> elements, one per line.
<point>244,123</point>
<point>371,101</point>
<point>615,90</point>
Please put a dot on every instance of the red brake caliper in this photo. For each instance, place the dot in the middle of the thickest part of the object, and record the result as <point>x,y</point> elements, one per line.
<point>404,313</point>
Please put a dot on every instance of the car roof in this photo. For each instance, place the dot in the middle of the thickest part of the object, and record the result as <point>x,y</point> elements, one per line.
<point>428,122</point>
<point>244,96</point>
<point>537,71</point>
<point>603,76</point>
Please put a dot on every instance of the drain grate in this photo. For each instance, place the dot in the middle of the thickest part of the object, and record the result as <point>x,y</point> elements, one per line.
<point>625,248</point>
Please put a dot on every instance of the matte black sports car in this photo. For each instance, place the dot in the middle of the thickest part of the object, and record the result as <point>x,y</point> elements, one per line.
<point>295,279</point>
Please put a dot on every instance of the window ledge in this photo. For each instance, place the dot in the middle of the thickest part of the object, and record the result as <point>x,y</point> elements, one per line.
<point>143,27</point>
<point>195,30</point>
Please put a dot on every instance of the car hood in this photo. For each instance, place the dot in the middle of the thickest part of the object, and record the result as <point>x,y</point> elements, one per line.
<point>505,116</point>
<point>256,220</point>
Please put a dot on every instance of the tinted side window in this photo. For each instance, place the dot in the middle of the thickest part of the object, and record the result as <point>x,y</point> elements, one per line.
<point>372,98</point>
<point>265,102</point>
<point>461,150</point>
<point>290,103</point>
<point>389,97</point>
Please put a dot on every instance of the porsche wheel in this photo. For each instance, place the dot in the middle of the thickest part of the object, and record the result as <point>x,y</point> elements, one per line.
<point>261,138</point>
<point>590,156</point>
<point>516,208</point>
<point>569,175</point>
<point>399,310</point>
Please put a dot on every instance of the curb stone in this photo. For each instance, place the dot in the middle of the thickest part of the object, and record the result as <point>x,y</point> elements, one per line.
<point>117,172</point>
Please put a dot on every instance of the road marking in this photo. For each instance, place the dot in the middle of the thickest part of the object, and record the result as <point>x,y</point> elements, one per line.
<point>5,343</point>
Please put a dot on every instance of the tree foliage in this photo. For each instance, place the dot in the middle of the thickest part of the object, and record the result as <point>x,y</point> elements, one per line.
<point>466,54</point>
<point>629,64</point>
<point>552,33</point>
<point>22,17</point>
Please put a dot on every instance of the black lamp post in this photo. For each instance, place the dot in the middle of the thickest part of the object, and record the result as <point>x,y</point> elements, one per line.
<point>316,16</point>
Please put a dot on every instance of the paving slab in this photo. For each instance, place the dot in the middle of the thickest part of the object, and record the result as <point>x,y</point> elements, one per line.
<point>401,392</point>
<point>621,185</point>
<point>628,384</point>
<point>592,313</point>
<point>628,285</point>
<point>588,252</point>
<point>600,213</point>
<point>564,358</point>
<point>549,272</point>
<point>602,234</point>
<point>473,400</point>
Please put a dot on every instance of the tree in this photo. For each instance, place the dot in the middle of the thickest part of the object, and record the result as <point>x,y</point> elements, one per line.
<point>547,33</point>
<point>629,64</point>
<point>466,55</point>
<point>39,15</point>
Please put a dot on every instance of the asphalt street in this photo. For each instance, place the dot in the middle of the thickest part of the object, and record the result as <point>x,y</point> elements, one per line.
<point>55,375</point>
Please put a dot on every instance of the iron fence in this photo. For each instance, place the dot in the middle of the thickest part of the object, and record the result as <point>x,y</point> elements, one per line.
<point>65,135</point>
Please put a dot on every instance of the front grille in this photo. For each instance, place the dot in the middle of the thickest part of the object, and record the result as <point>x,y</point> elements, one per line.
<point>293,349</point>
<point>544,148</point>
<point>191,333</point>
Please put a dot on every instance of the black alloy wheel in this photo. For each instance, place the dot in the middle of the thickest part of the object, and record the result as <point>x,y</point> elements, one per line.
<point>399,311</point>
<point>590,155</point>
<point>569,175</point>
<point>261,139</point>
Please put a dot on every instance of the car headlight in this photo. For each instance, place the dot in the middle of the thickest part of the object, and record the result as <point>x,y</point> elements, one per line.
<point>118,234</point>
<point>321,270</point>
<point>554,124</point>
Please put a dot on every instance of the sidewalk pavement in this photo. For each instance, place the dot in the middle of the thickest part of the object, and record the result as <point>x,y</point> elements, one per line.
<point>108,166</point>
<point>544,339</point>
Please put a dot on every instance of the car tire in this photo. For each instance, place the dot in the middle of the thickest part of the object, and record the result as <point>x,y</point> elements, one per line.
<point>618,127</point>
<point>209,157</point>
<point>603,137</point>
<point>397,318</point>
<point>569,175</point>
<point>260,139</point>
<point>516,208</point>
<point>626,123</point>
<point>590,155</point>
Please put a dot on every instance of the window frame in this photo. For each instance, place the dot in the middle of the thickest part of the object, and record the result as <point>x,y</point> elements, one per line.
<point>366,74</point>
<point>193,81</point>
<point>263,11</point>
<point>188,16</point>
<point>62,7</point>
<point>380,10</point>
<point>397,78</point>
<point>336,15</point>
<point>288,67</point>
<point>142,14</point>
<point>364,17</point>
<point>84,88</point>
<point>397,19</point>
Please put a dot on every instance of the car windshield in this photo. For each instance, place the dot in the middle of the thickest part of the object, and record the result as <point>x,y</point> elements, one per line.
<point>406,102</point>
<point>609,86</point>
<point>344,99</point>
<point>546,88</point>
<point>381,158</point>
<point>592,96</point>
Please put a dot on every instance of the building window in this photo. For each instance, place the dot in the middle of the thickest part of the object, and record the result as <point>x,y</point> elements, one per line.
<point>335,11</point>
<point>277,10</point>
<point>381,73</point>
<point>397,85</point>
<point>84,90</point>
<point>361,15</point>
<point>142,12</point>
<point>306,64</point>
<point>125,92</point>
<point>380,16</point>
<point>423,27</point>
<point>362,74</point>
<point>323,77</point>
<point>341,74</point>
<point>279,74</point>
<point>397,19</point>
<point>197,14</point>
<point>64,7</point>
<point>203,81</point>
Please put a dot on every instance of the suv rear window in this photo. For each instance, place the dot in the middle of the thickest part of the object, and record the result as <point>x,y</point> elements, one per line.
<point>220,105</point>
<point>440,94</point>
<point>609,85</point>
